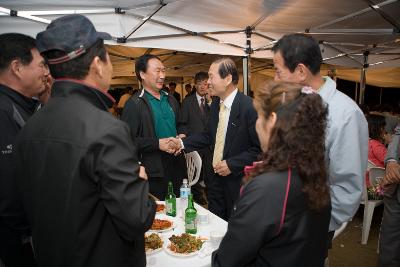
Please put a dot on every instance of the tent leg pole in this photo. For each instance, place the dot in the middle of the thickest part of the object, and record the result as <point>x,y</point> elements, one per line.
<point>363,79</point>
<point>246,75</point>
<point>362,87</point>
<point>380,96</point>
<point>356,92</point>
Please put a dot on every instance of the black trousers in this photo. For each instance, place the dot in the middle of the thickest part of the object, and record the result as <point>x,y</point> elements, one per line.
<point>12,252</point>
<point>222,195</point>
<point>389,244</point>
<point>174,170</point>
<point>329,243</point>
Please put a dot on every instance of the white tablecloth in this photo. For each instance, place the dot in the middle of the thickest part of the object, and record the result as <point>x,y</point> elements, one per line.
<point>163,259</point>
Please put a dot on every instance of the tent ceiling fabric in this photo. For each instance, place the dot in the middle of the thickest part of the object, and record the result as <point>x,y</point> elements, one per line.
<point>185,64</point>
<point>345,28</point>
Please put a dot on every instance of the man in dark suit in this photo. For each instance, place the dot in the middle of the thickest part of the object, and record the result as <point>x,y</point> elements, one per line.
<point>194,118</point>
<point>172,87</point>
<point>231,132</point>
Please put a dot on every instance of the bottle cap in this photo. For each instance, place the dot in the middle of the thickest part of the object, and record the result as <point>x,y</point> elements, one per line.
<point>185,181</point>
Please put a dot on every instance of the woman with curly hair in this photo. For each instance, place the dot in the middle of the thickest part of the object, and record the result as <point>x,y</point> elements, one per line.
<point>283,213</point>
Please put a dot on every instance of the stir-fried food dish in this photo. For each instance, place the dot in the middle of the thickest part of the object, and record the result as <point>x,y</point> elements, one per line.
<point>160,207</point>
<point>152,242</point>
<point>185,243</point>
<point>161,224</point>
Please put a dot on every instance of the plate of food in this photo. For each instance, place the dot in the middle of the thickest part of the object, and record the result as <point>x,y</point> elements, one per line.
<point>161,225</point>
<point>184,245</point>
<point>153,243</point>
<point>160,207</point>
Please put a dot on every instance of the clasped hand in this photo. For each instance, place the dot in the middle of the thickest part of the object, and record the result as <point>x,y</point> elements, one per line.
<point>170,145</point>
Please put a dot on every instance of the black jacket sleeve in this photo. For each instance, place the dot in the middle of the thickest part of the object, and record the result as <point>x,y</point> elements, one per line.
<point>197,141</point>
<point>131,115</point>
<point>123,192</point>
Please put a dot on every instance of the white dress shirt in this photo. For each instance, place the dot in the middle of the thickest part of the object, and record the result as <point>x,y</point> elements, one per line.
<point>199,97</point>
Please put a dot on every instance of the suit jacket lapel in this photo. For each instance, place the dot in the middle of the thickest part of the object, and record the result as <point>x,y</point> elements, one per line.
<point>233,124</point>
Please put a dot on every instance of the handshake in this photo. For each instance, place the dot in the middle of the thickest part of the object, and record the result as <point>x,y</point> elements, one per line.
<point>171,145</point>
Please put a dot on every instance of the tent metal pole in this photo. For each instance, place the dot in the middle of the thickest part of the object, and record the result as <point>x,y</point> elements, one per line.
<point>246,75</point>
<point>246,61</point>
<point>352,15</point>
<point>380,96</point>
<point>341,52</point>
<point>356,92</point>
<point>363,77</point>
<point>383,14</point>
<point>185,32</point>
<point>145,20</point>
<point>362,87</point>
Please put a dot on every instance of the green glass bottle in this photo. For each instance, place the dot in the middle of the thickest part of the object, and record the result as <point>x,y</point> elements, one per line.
<point>170,201</point>
<point>190,217</point>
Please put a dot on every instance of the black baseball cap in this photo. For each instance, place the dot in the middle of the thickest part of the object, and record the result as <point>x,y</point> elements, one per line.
<point>72,34</point>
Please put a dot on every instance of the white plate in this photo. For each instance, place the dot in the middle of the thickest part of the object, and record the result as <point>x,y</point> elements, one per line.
<point>153,251</point>
<point>180,255</point>
<point>166,229</point>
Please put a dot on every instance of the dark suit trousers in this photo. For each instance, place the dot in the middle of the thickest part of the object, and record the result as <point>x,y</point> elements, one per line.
<point>174,171</point>
<point>12,252</point>
<point>389,246</point>
<point>222,195</point>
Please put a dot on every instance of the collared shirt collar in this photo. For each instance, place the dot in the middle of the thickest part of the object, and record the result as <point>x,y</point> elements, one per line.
<point>199,97</point>
<point>162,93</point>
<point>229,100</point>
<point>328,88</point>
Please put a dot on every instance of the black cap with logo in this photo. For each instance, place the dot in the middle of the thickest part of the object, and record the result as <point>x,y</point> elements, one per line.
<point>72,34</point>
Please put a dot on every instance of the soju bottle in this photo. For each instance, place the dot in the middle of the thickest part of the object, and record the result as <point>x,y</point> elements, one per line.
<point>190,217</point>
<point>170,201</point>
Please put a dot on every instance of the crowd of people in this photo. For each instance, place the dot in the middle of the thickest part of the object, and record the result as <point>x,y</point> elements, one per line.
<point>285,169</point>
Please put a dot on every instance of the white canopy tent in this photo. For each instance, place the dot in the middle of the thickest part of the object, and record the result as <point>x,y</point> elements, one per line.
<point>362,34</point>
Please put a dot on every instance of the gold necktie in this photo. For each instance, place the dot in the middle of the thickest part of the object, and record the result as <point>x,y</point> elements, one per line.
<point>220,136</point>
